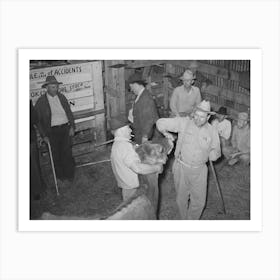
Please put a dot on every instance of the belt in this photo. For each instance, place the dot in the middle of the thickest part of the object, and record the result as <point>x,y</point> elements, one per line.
<point>59,126</point>
<point>189,165</point>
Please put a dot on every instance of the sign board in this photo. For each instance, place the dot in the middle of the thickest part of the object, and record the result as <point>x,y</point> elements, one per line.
<point>77,84</point>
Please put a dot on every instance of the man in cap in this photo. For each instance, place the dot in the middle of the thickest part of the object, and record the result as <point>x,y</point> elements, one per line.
<point>186,97</point>
<point>240,140</point>
<point>125,161</point>
<point>197,143</point>
<point>57,127</point>
<point>223,127</point>
<point>144,113</point>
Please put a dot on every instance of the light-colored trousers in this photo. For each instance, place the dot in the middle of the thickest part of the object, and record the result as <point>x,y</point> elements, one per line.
<point>191,188</point>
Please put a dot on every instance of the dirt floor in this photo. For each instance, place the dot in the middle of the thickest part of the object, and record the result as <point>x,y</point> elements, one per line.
<point>94,192</point>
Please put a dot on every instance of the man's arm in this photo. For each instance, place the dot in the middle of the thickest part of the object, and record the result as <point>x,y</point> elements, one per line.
<point>234,138</point>
<point>132,161</point>
<point>198,97</point>
<point>226,131</point>
<point>38,109</point>
<point>69,112</point>
<point>173,103</point>
<point>168,124</point>
<point>148,116</point>
<point>215,151</point>
<point>142,168</point>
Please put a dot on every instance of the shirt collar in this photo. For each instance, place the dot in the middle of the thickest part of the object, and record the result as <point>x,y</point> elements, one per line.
<point>138,96</point>
<point>49,96</point>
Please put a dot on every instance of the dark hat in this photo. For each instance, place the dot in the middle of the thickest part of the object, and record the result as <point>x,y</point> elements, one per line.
<point>136,78</point>
<point>50,80</point>
<point>118,122</point>
<point>222,111</point>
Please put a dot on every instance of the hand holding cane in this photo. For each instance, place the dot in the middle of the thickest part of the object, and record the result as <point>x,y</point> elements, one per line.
<point>53,169</point>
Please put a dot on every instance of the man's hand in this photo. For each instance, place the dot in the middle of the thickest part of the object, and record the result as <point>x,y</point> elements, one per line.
<point>46,140</point>
<point>159,168</point>
<point>169,136</point>
<point>144,139</point>
<point>71,131</point>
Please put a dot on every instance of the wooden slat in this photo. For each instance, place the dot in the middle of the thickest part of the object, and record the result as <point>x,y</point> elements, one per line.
<point>144,63</point>
<point>97,78</point>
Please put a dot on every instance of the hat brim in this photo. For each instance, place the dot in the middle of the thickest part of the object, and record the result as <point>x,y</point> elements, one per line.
<point>207,112</point>
<point>182,78</point>
<point>137,82</point>
<point>222,114</point>
<point>51,83</point>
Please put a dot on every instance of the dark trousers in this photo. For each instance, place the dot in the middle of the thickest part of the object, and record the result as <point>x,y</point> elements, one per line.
<point>61,146</point>
<point>37,185</point>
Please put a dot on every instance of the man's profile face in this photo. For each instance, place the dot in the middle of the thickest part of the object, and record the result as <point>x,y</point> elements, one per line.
<point>200,118</point>
<point>241,123</point>
<point>52,89</point>
<point>134,88</point>
<point>126,131</point>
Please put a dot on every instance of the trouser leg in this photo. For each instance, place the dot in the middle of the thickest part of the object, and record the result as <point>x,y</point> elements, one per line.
<point>151,180</point>
<point>182,189</point>
<point>198,180</point>
<point>128,193</point>
<point>65,154</point>
<point>55,149</point>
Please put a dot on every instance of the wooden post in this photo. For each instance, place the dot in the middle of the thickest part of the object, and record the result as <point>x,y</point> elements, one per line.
<point>115,89</point>
<point>100,133</point>
<point>165,89</point>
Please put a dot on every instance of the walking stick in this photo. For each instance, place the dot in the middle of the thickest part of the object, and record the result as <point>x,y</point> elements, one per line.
<point>93,163</point>
<point>53,169</point>
<point>218,187</point>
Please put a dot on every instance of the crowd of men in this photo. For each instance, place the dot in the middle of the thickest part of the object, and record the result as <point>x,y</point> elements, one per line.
<point>203,135</point>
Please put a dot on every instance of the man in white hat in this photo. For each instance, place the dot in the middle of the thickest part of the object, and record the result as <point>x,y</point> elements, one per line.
<point>125,161</point>
<point>186,97</point>
<point>240,140</point>
<point>197,143</point>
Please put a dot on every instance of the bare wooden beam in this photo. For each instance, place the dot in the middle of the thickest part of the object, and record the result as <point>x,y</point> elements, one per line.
<point>144,63</point>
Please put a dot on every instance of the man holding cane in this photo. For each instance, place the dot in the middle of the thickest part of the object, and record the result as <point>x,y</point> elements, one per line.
<point>57,127</point>
<point>197,143</point>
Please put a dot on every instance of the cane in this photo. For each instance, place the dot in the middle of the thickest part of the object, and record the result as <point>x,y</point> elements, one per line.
<point>218,187</point>
<point>53,169</point>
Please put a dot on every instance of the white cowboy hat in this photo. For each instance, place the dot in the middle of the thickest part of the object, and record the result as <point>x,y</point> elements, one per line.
<point>205,107</point>
<point>188,75</point>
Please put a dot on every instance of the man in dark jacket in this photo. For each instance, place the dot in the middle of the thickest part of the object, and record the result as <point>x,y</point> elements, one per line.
<point>57,127</point>
<point>37,185</point>
<point>143,114</point>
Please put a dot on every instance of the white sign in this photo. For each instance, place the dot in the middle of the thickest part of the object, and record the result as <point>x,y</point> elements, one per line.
<point>77,84</point>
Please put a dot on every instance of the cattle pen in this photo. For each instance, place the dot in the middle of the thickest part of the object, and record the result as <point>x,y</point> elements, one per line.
<point>97,92</point>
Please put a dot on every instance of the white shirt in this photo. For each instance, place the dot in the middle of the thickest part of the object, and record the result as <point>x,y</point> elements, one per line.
<point>130,113</point>
<point>59,116</point>
<point>122,157</point>
<point>223,128</point>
